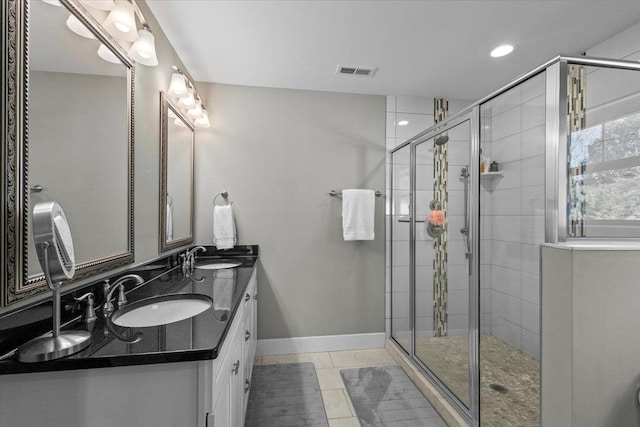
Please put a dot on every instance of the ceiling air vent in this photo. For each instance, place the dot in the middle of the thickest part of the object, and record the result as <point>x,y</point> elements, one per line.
<point>355,71</point>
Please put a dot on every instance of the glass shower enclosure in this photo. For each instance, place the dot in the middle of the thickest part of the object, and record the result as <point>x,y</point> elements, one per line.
<point>473,198</point>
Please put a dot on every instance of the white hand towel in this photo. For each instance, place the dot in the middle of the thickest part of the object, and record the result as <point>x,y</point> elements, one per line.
<point>224,283</point>
<point>224,227</point>
<point>169,224</point>
<point>358,208</point>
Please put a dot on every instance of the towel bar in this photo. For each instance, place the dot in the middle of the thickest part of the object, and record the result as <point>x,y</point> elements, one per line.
<point>224,195</point>
<point>334,193</point>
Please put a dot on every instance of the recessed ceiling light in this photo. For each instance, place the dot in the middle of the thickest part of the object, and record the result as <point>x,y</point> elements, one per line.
<point>403,122</point>
<point>503,50</point>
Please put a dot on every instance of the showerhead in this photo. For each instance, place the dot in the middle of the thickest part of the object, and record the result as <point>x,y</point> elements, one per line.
<point>441,139</point>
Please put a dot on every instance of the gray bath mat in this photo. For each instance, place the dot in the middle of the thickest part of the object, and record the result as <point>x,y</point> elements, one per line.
<point>385,396</point>
<point>285,395</point>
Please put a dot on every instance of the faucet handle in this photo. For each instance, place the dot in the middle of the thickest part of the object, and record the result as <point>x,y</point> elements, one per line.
<point>122,299</point>
<point>90,313</point>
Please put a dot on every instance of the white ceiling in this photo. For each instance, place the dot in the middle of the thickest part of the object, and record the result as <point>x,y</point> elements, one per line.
<point>423,48</point>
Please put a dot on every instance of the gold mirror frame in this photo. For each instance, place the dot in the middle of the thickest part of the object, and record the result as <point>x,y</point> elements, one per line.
<point>16,285</point>
<point>165,105</point>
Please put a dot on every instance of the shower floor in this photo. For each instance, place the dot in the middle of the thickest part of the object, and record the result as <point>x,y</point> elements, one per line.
<point>516,402</point>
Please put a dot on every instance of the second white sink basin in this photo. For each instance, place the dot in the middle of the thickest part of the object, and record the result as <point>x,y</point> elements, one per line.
<point>218,265</point>
<point>161,310</point>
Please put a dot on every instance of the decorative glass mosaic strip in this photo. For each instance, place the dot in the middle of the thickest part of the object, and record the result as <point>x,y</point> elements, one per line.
<point>577,120</point>
<point>440,195</point>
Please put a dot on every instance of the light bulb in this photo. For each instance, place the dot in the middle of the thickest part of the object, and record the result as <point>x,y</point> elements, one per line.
<point>203,122</point>
<point>178,86</point>
<point>196,110</point>
<point>121,22</point>
<point>78,27</point>
<point>188,100</point>
<point>143,50</point>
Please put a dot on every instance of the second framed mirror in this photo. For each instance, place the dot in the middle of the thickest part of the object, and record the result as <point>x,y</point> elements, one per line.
<point>177,136</point>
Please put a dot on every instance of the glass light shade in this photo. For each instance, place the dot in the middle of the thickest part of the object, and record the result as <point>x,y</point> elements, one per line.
<point>99,4</point>
<point>203,122</point>
<point>106,54</point>
<point>53,2</point>
<point>178,86</point>
<point>121,22</point>
<point>188,100</point>
<point>79,28</point>
<point>143,50</point>
<point>196,110</point>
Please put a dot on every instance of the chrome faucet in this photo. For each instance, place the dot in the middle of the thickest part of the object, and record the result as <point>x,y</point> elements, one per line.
<point>190,258</point>
<point>110,289</point>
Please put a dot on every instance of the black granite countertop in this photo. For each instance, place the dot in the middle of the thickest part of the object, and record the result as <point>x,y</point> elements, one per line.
<point>197,338</point>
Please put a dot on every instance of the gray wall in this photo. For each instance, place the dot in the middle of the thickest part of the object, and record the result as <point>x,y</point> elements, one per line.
<point>278,153</point>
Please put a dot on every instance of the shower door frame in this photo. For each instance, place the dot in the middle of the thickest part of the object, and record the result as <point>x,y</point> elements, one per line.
<point>471,115</point>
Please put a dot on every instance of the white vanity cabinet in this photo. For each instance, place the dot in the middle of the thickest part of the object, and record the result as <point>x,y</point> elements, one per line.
<point>227,378</point>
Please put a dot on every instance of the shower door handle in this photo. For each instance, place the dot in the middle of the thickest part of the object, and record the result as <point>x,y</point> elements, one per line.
<point>464,174</point>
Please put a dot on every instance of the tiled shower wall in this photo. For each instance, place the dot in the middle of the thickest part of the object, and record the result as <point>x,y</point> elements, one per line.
<point>513,214</point>
<point>418,111</point>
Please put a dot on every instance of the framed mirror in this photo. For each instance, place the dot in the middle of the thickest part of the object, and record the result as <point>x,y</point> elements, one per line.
<point>68,137</point>
<point>177,135</point>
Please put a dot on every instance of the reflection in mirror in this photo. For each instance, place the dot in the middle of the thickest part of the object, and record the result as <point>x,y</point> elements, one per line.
<point>78,139</point>
<point>176,193</point>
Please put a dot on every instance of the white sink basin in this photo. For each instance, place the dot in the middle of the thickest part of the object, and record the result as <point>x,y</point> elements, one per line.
<point>218,265</point>
<point>161,310</point>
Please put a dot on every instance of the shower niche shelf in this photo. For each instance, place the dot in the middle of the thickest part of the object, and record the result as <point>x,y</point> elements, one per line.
<point>491,175</point>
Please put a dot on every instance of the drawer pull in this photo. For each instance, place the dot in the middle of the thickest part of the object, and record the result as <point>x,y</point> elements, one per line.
<point>236,367</point>
<point>247,386</point>
<point>247,335</point>
<point>247,297</point>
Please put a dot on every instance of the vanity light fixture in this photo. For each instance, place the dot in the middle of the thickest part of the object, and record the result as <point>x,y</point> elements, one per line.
<point>121,22</point>
<point>188,99</point>
<point>403,122</point>
<point>203,122</point>
<point>144,49</point>
<point>503,50</point>
<point>79,28</point>
<point>196,110</point>
<point>178,86</point>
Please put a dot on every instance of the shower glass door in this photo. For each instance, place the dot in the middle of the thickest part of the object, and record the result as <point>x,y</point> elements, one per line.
<point>400,248</point>
<point>442,257</point>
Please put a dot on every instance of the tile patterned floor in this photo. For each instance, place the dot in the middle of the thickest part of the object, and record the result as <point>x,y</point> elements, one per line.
<point>337,404</point>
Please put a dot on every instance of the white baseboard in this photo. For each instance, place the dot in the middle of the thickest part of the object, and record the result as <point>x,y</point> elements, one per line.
<point>321,343</point>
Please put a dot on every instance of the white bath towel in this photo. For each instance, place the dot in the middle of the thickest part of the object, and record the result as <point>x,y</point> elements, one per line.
<point>358,208</point>
<point>169,224</point>
<point>224,227</point>
<point>224,283</point>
